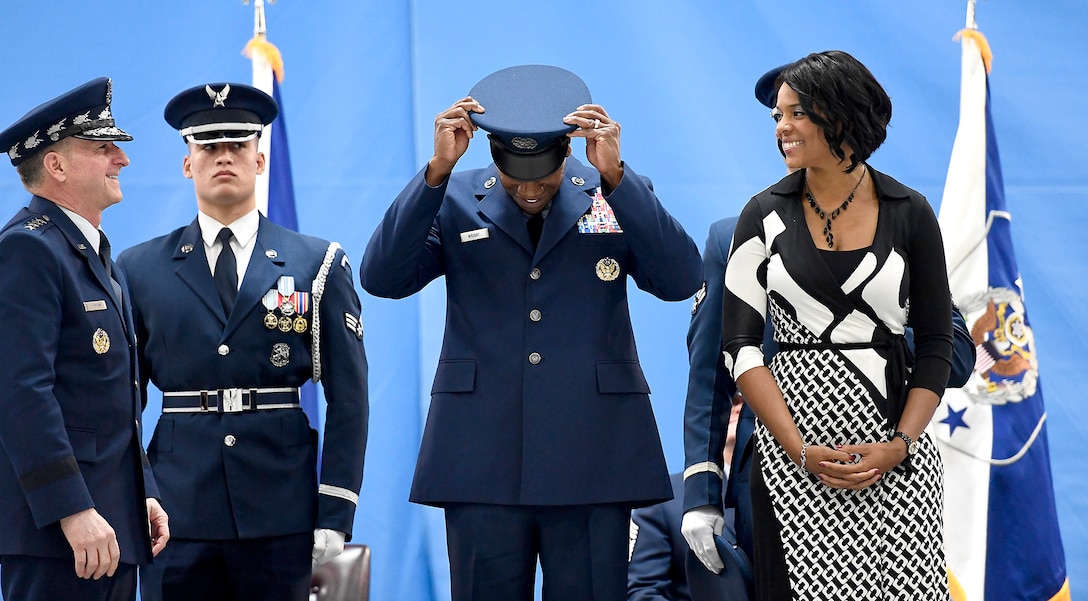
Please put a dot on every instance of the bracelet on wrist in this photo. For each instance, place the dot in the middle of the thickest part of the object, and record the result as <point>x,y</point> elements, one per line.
<point>801,463</point>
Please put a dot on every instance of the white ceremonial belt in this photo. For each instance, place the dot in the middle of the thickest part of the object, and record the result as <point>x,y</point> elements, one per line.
<point>229,400</point>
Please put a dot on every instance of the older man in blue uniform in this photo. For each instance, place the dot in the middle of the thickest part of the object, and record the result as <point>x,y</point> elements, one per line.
<point>77,506</point>
<point>540,436</point>
<point>235,313</point>
<point>710,389</point>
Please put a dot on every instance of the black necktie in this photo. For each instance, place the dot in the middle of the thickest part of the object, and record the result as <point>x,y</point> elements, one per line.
<point>535,225</point>
<point>104,255</point>
<point>104,252</point>
<point>226,271</point>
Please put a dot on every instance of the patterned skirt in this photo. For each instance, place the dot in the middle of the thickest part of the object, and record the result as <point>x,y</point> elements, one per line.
<point>880,543</point>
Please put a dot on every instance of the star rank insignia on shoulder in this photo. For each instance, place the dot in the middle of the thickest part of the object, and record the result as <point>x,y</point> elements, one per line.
<point>36,222</point>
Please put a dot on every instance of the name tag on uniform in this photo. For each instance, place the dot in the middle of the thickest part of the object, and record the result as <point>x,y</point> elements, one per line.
<point>479,234</point>
<point>98,305</point>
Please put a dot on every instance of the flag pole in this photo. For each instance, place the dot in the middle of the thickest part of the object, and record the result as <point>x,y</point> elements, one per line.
<point>971,23</point>
<point>259,28</point>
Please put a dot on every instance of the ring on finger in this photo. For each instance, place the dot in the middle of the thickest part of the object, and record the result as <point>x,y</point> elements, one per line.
<point>596,123</point>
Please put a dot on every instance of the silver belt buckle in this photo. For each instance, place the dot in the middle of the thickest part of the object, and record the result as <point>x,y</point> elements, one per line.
<point>230,400</point>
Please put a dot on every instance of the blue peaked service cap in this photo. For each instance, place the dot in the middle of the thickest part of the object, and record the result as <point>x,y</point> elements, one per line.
<point>766,91</point>
<point>82,112</point>
<point>220,112</point>
<point>524,109</point>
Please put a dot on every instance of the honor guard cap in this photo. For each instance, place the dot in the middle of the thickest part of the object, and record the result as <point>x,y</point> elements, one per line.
<point>524,109</point>
<point>83,112</point>
<point>766,91</point>
<point>220,112</point>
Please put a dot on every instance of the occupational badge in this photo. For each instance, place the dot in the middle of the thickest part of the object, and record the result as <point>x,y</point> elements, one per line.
<point>100,341</point>
<point>281,354</point>
<point>608,269</point>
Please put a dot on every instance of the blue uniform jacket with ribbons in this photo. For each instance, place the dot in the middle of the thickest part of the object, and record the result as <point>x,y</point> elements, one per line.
<point>250,473</point>
<point>710,390</point>
<point>70,408</point>
<point>539,397</point>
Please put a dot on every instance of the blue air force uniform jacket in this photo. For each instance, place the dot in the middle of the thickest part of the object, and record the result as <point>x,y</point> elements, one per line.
<point>253,473</point>
<point>539,398</point>
<point>69,405</point>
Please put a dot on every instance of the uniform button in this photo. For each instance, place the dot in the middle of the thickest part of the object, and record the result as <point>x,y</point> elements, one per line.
<point>223,349</point>
<point>534,315</point>
<point>137,424</point>
<point>534,358</point>
<point>229,440</point>
<point>534,274</point>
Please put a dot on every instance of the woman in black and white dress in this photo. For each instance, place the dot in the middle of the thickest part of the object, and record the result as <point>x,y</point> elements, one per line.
<point>847,500</point>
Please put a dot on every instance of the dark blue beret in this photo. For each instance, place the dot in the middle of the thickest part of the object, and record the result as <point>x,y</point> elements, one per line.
<point>220,112</point>
<point>524,109</point>
<point>766,92</point>
<point>83,112</point>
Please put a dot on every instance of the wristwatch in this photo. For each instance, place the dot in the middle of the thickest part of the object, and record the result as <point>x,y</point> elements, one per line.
<point>912,445</point>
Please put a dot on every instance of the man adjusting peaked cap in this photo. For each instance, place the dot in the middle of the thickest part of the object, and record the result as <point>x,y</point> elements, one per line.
<point>83,112</point>
<point>524,107</point>
<point>220,112</point>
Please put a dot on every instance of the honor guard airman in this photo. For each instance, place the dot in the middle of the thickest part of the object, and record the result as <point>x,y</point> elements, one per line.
<point>236,314</point>
<point>77,498</point>
<point>540,435</point>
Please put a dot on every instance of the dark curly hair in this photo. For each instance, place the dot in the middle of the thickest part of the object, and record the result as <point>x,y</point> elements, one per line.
<point>841,96</point>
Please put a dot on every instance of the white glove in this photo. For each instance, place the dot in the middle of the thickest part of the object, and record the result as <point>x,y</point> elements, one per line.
<point>699,527</point>
<point>327,544</point>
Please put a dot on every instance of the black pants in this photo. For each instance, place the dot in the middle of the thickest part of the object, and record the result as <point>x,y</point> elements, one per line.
<point>494,550</point>
<point>260,569</point>
<point>26,578</point>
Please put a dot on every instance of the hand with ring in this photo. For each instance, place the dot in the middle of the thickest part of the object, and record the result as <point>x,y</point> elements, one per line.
<point>602,136</point>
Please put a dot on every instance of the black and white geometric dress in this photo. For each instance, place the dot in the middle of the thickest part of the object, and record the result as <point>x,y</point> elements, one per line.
<point>885,541</point>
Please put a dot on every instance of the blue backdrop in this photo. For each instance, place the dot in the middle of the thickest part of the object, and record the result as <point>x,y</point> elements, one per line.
<point>365,79</point>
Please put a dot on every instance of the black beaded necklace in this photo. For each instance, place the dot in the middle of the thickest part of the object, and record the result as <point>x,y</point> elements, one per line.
<point>829,217</point>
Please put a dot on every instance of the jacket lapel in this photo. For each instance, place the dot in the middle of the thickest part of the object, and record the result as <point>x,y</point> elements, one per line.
<point>500,209</point>
<point>192,268</point>
<point>80,245</point>
<point>568,206</point>
<point>263,271</point>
